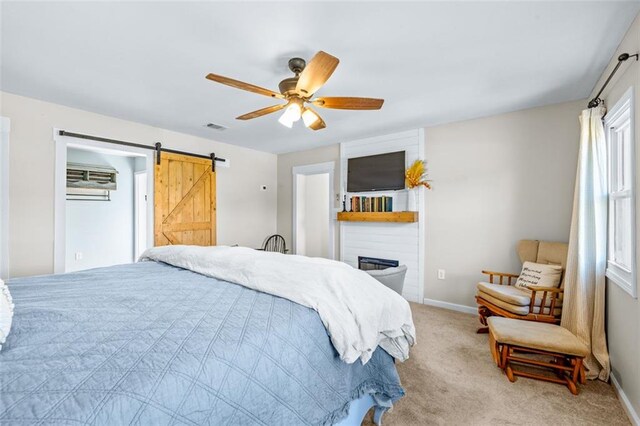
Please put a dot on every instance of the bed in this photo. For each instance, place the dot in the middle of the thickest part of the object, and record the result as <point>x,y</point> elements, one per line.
<point>151,343</point>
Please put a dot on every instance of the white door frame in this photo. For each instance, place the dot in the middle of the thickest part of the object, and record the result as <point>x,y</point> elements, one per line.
<point>60,187</point>
<point>5,129</point>
<point>136,228</point>
<point>308,170</point>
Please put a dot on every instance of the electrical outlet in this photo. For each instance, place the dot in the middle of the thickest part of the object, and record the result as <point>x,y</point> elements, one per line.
<point>441,274</point>
<point>78,255</point>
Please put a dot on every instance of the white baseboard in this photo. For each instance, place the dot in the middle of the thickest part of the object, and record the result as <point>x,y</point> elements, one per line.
<point>451,306</point>
<point>626,404</point>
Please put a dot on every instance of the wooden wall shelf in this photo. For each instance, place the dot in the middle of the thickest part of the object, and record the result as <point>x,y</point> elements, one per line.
<point>398,217</point>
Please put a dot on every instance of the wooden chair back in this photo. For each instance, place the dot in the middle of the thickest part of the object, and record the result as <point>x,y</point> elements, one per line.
<point>275,243</point>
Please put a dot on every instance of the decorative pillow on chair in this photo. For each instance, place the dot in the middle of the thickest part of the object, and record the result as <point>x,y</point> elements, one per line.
<point>539,275</point>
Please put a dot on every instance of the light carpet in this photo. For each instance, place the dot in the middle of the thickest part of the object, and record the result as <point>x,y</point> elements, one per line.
<point>450,379</point>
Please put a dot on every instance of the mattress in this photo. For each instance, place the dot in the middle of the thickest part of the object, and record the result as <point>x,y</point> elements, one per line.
<point>149,343</point>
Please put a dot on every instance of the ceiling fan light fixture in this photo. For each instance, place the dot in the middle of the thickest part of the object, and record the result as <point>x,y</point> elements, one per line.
<point>291,114</point>
<point>309,117</point>
<point>285,120</point>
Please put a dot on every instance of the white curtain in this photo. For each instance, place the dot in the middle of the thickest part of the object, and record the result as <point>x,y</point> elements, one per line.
<point>584,298</point>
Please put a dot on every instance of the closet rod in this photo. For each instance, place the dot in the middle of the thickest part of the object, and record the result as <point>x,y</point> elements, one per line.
<point>158,147</point>
<point>596,100</point>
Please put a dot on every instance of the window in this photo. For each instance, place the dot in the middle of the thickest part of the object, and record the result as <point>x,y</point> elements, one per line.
<point>621,268</point>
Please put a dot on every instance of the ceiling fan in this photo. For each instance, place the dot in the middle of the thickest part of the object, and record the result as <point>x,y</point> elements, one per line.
<point>298,91</point>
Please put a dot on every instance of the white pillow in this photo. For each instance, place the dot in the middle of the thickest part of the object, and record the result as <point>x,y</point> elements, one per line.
<point>6,312</point>
<point>539,275</point>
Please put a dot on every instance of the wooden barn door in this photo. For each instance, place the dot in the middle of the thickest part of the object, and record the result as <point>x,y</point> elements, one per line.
<point>185,201</point>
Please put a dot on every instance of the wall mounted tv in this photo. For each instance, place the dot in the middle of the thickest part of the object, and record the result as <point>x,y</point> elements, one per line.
<point>383,172</point>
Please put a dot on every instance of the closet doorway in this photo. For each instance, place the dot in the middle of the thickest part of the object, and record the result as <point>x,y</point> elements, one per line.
<point>101,208</point>
<point>97,214</point>
<point>313,222</point>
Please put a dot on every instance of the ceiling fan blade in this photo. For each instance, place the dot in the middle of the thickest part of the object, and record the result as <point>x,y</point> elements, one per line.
<point>261,112</point>
<point>319,124</point>
<point>348,103</point>
<point>244,86</point>
<point>316,73</point>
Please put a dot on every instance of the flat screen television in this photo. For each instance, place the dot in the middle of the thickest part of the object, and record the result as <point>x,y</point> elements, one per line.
<point>382,172</point>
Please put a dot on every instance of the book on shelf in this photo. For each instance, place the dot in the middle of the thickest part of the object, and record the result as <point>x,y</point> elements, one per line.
<point>372,204</point>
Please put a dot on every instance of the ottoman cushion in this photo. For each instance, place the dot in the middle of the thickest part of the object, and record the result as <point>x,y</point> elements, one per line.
<point>536,335</point>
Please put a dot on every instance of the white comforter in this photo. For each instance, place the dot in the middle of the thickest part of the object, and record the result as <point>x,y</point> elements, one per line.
<point>358,312</point>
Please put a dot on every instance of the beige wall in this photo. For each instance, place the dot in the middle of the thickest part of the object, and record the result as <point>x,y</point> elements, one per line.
<point>496,180</point>
<point>286,162</point>
<point>245,214</point>
<point>623,311</point>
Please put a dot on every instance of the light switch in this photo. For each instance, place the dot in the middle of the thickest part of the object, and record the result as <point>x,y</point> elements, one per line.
<point>441,274</point>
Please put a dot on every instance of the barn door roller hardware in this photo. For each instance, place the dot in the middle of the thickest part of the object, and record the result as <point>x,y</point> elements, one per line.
<point>157,147</point>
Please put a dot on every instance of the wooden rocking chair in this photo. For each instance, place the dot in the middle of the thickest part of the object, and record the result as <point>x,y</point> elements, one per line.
<point>543,304</point>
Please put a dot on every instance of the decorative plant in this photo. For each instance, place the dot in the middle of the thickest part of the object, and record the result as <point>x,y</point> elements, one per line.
<point>416,175</point>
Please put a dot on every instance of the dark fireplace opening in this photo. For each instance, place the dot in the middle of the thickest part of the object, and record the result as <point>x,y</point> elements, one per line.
<point>369,263</point>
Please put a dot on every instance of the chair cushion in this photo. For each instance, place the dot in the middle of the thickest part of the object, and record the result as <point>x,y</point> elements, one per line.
<point>515,295</point>
<point>553,253</point>
<point>515,309</point>
<point>536,335</point>
<point>507,293</point>
<point>539,275</point>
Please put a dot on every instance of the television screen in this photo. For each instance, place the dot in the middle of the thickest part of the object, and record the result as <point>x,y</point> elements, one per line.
<point>383,172</point>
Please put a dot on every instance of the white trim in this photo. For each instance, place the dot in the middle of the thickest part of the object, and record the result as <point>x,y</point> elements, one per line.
<point>342,189</point>
<point>450,306</point>
<point>626,280</point>
<point>5,130</point>
<point>314,169</point>
<point>136,240</point>
<point>308,170</point>
<point>59,203</point>
<point>386,137</point>
<point>421,221</point>
<point>626,404</point>
<point>60,188</point>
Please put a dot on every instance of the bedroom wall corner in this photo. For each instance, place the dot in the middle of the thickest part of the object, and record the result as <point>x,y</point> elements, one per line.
<point>246,214</point>
<point>496,180</point>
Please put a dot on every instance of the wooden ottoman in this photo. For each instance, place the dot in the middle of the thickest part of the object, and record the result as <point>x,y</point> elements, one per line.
<point>509,337</point>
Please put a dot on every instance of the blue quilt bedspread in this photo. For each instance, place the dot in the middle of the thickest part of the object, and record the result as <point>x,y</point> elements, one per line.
<point>148,343</point>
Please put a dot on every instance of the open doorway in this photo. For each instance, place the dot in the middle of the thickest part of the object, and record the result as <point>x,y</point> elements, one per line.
<point>313,227</point>
<point>101,208</point>
<point>102,199</point>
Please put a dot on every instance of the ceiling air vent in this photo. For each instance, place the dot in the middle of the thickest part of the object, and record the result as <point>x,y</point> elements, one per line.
<point>214,126</point>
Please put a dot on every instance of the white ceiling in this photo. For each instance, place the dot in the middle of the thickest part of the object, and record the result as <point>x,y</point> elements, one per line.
<point>431,62</point>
